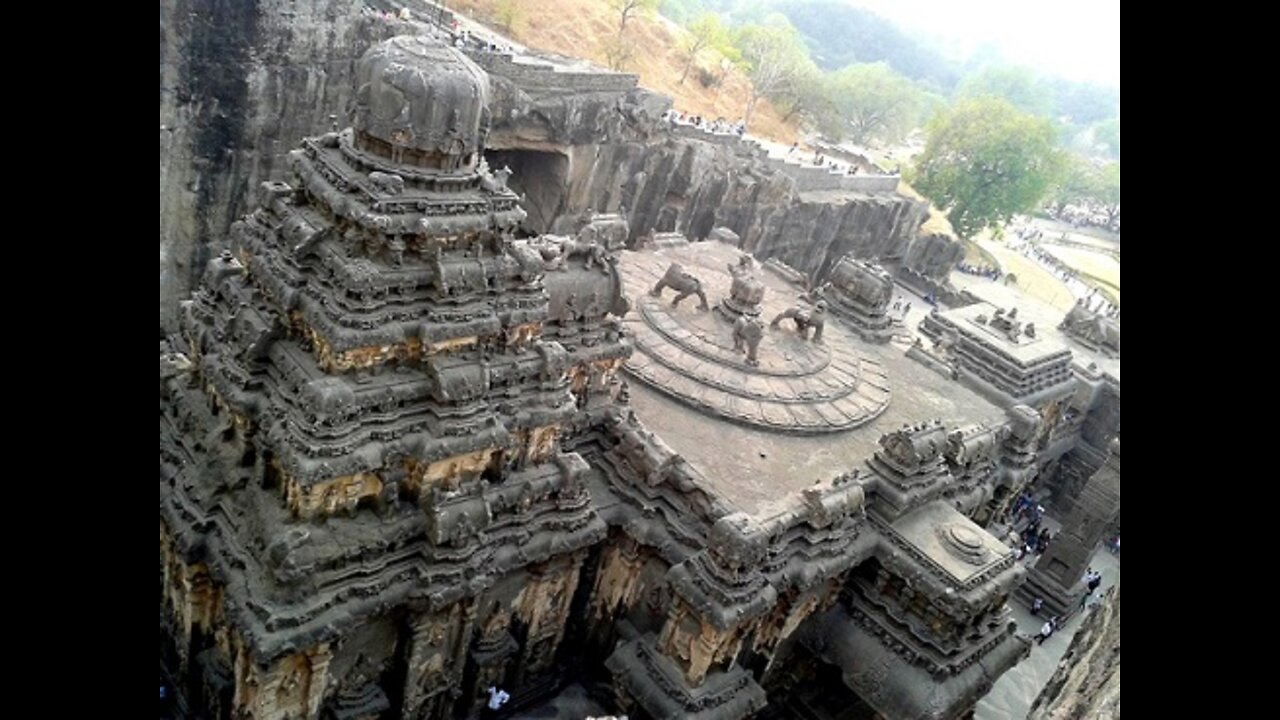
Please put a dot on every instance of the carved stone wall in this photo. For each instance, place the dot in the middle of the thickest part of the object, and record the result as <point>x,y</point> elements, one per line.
<point>242,82</point>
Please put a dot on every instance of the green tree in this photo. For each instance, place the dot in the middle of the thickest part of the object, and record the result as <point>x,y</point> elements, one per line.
<point>1077,180</point>
<point>1108,133</point>
<point>1085,103</point>
<point>772,55</point>
<point>807,96</point>
<point>1081,181</point>
<point>628,9</point>
<point>1109,191</point>
<point>1017,85</point>
<point>618,50</point>
<point>706,32</point>
<point>876,102</point>
<point>985,162</point>
<point>509,15</point>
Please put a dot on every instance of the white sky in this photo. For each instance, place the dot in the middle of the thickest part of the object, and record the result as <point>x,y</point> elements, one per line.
<point>1075,39</point>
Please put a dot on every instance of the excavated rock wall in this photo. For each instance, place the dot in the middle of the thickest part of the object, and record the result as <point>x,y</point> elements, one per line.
<point>243,81</point>
<point>618,155</point>
<point>1087,681</point>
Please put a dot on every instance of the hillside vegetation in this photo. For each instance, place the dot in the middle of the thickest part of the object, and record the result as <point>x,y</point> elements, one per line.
<point>585,29</point>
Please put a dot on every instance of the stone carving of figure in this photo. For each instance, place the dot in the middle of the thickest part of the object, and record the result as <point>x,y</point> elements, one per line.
<point>552,256</point>
<point>496,182</point>
<point>806,319</point>
<point>596,254</point>
<point>1007,324</point>
<point>396,246</point>
<point>745,292</point>
<point>388,183</point>
<point>683,283</point>
<point>747,332</point>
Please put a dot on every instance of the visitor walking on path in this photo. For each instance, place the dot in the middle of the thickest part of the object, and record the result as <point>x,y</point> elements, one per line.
<point>1046,630</point>
<point>497,698</point>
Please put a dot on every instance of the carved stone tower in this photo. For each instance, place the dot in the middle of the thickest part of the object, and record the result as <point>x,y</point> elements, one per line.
<point>365,503</point>
<point>1056,578</point>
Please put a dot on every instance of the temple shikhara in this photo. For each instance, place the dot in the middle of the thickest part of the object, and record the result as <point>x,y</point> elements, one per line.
<point>412,450</point>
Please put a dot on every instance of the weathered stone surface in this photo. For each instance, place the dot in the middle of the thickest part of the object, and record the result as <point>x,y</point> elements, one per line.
<point>399,464</point>
<point>1057,577</point>
<point>793,385</point>
<point>1087,681</point>
<point>241,85</point>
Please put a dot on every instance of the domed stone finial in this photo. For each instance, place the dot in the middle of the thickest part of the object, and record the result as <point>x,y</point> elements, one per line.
<point>421,102</point>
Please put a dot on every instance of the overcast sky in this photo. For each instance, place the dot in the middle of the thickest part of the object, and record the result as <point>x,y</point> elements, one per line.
<point>1076,39</point>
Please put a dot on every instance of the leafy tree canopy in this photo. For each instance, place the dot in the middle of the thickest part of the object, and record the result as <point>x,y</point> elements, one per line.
<point>1108,134</point>
<point>706,32</point>
<point>1017,85</point>
<point>840,34</point>
<point>875,102</point>
<point>772,55</point>
<point>986,161</point>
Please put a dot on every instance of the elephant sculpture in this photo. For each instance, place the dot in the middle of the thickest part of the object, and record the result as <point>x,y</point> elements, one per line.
<point>386,183</point>
<point>683,283</point>
<point>806,319</point>
<point>747,332</point>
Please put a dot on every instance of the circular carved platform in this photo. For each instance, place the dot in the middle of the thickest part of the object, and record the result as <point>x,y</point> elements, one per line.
<point>799,386</point>
<point>964,543</point>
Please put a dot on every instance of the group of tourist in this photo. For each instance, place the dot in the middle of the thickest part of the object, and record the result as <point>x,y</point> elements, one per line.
<point>1084,215</point>
<point>463,39</point>
<point>899,306</point>
<point>719,126</point>
<point>1033,538</point>
<point>1091,598</point>
<point>985,271</point>
<point>386,16</point>
<point>1023,242</point>
<point>820,160</point>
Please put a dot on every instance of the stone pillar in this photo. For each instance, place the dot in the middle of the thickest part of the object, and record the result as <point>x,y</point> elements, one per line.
<point>293,687</point>
<point>695,644</point>
<point>492,652</point>
<point>436,659</point>
<point>543,605</point>
<point>1056,577</point>
<point>1017,459</point>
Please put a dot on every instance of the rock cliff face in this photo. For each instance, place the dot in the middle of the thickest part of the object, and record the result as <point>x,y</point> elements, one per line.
<point>602,148</point>
<point>243,81</point>
<point>1087,681</point>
